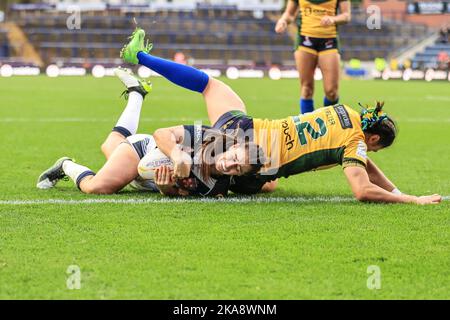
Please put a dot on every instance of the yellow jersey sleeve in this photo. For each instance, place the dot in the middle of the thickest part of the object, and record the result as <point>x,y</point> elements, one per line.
<point>355,154</point>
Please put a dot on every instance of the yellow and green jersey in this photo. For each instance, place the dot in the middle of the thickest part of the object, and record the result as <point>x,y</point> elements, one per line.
<point>311,13</point>
<point>324,138</point>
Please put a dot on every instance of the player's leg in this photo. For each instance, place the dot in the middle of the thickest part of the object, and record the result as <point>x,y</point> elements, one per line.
<point>219,97</point>
<point>306,65</point>
<point>128,122</point>
<point>111,142</point>
<point>118,171</point>
<point>329,64</point>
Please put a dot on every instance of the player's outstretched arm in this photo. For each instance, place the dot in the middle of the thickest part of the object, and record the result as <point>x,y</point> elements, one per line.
<point>288,17</point>
<point>366,191</point>
<point>376,176</point>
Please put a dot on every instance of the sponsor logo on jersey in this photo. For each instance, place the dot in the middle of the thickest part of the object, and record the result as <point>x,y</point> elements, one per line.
<point>289,142</point>
<point>307,42</point>
<point>343,116</point>
<point>361,151</point>
<point>308,11</point>
<point>329,44</point>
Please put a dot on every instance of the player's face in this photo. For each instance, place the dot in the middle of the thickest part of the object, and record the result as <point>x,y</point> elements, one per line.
<point>233,162</point>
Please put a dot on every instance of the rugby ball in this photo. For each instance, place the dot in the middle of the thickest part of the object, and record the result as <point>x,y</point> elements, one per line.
<point>152,160</point>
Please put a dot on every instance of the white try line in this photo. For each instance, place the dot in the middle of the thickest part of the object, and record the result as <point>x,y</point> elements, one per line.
<point>96,120</point>
<point>184,200</point>
<point>171,119</point>
<point>179,200</point>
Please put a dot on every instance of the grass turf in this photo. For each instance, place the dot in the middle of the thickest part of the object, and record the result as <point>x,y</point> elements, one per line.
<point>292,250</point>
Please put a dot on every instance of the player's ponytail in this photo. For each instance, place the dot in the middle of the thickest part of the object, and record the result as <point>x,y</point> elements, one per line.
<point>376,121</point>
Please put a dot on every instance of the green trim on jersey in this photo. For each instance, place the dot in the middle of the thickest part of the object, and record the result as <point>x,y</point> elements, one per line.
<point>297,42</point>
<point>311,161</point>
<point>320,1</point>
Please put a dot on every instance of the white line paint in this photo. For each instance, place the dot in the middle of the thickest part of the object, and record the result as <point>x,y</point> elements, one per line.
<point>184,200</point>
<point>173,119</point>
<point>438,98</point>
<point>96,120</point>
<point>179,200</point>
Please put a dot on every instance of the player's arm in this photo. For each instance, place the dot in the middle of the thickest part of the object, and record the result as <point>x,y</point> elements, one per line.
<point>288,16</point>
<point>164,181</point>
<point>377,177</point>
<point>343,17</point>
<point>269,186</point>
<point>366,191</point>
<point>167,140</point>
<point>166,184</point>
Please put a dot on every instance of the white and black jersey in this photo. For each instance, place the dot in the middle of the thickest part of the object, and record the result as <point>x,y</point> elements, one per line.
<point>212,186</point>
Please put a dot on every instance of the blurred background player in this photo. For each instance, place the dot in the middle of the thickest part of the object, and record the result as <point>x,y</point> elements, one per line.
<point>317,45</point>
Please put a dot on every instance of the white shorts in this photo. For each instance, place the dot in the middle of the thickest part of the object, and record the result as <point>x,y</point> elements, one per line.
<point>142,143</point>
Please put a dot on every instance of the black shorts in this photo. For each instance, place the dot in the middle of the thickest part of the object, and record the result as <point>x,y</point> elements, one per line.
<point>317,46</point>
<point>234,120</point>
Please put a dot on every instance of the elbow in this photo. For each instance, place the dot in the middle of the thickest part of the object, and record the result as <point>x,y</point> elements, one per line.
<point>158,134</point>
<point>269,186</point>
<point>348,17</point>
<point>362,195</point>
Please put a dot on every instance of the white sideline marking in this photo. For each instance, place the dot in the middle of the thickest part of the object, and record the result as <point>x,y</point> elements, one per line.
<point>180,200</point>
<point>185,200</point>
<point>438,98</point>
<point>173,119</point>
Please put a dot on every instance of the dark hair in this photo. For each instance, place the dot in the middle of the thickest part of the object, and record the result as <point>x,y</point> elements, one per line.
<point>217,142</point>
<point>375,121</point>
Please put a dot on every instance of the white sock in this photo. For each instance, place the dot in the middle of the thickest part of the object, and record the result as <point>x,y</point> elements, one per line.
<point>130,116</point>
<point>75,170</point>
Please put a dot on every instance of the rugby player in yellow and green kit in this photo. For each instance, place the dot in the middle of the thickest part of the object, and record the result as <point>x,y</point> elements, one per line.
<point>316,45</point>
<point>335,135</point>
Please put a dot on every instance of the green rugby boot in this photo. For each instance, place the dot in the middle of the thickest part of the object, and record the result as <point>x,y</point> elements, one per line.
<point>50,177</point>
<point>133,82</point>
<point>137,44</point>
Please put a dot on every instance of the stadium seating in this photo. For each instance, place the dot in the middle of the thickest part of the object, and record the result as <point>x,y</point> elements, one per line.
<point>429,57</point>
<point>4,44</point>
<point>204,34</point>
<point>357,41</point>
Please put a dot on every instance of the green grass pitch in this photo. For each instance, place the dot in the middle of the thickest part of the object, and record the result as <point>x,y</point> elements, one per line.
<point>316,246</point>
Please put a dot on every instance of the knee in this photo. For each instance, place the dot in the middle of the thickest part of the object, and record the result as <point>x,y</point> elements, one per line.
<point>212,85</point>
<point>307,90</point>
<point>332,93</point>
<point>96,188</point>
<point>105,148</point>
